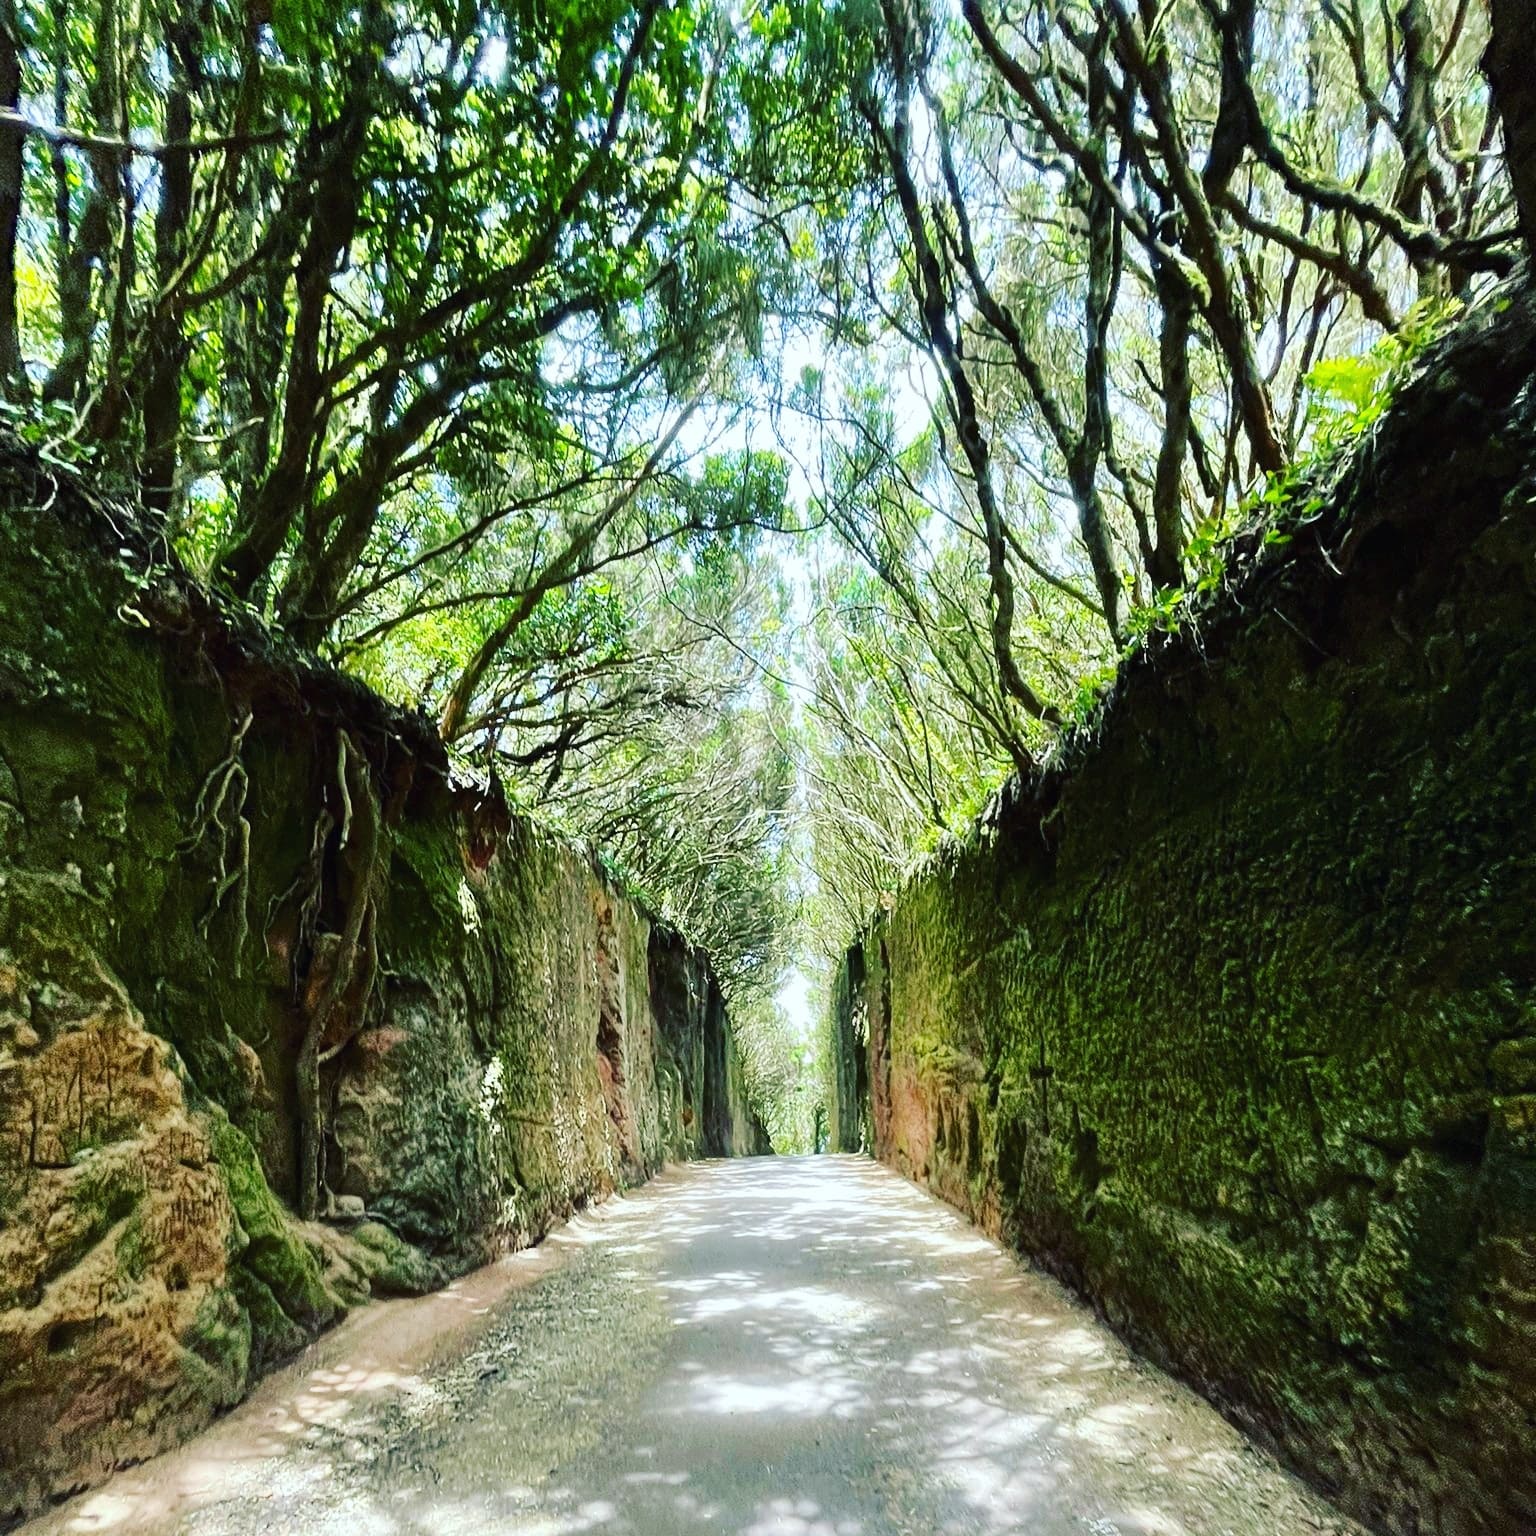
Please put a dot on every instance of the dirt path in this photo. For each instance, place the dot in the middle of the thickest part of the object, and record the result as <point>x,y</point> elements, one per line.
<point>771,1347</point>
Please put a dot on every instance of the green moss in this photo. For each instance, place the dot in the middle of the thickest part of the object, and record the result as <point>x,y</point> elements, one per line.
<point>270,1246</point>
<point>427,876</point>
<point>218,1348</point>
<point>1238,1038</point>
<point>274,1335</point>
<point>133,1250</point>
<point>100,1194</point>
<point>395,1267</point>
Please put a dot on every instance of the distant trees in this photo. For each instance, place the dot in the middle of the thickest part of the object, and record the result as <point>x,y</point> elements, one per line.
<point>1135,259</point>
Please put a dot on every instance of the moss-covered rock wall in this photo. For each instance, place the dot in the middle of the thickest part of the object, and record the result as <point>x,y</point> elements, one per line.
<point>706,1111</point>
<point>1228,1018</point>
<point>260,955</point>
<point>848,1104</point>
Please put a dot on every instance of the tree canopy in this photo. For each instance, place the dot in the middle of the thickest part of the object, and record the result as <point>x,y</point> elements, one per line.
<point>749,430</point>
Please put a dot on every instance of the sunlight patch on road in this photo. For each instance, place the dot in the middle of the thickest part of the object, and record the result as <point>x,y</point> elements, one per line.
<point>799,1517</point>
<point>812,1396</point>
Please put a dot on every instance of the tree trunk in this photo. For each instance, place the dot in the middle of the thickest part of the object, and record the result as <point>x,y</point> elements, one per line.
<point>13,372</point>
<point>268,509</point>
<point>167,347</point>
<point>1166,566</point>
<point>91,249</point>
<point>337,1000</point>
<point>1099,305</point>
<point>1508,63</point>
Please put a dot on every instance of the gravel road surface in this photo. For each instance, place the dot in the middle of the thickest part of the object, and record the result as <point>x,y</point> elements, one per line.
<point>766,1347</point>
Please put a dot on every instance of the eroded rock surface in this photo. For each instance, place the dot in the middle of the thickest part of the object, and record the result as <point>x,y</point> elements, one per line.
<point>119,1330</point>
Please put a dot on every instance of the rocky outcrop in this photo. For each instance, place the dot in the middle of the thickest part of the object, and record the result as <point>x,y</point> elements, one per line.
<point>1228,1018</point>
<point>260,955</point>
<point>117,1322</point>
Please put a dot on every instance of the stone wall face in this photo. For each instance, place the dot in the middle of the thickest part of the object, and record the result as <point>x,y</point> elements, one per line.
<point>1229,1020</point>
<point>501,1037</point>
<point>702,1090</point>
<point>848,1127</point>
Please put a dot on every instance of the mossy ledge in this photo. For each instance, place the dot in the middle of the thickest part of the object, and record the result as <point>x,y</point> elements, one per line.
<point>1227,1018</point>
<point>502,1036</point>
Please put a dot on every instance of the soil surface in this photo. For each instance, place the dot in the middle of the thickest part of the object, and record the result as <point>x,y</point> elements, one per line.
<point>759,1347</point>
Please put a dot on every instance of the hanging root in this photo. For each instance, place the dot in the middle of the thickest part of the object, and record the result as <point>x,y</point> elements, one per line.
<point>207,812</point>
<point>346,754</point>
<point>309,880</point>
<point>343,965</point>
<point>238,879</point>
<point>220,808</point>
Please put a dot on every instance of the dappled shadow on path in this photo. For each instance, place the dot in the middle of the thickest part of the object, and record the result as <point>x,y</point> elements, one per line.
<point>788,1347</point>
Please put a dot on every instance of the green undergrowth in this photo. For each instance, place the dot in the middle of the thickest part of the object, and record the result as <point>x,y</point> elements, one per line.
<point>1347,398</point>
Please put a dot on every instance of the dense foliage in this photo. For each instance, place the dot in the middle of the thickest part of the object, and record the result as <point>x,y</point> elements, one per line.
<point>491,349</point>
<point>1113,269</point>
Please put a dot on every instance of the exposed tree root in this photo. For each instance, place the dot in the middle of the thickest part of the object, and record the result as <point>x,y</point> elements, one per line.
<point>311,881</point>
<point>220,808</point>
<point>343,966</point>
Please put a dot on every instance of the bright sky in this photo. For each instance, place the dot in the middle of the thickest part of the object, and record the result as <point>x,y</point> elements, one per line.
<point>797,1004</point>
<point>756,425</point>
